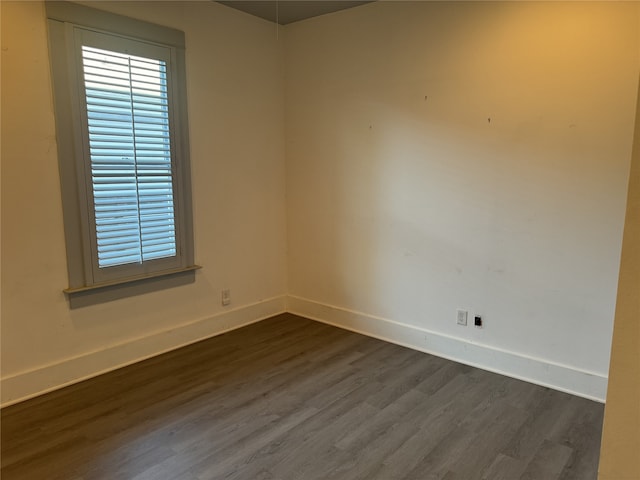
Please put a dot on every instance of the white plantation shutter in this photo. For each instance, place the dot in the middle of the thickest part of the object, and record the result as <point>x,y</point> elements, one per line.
<point>123,152</point>
<point>127,112</point>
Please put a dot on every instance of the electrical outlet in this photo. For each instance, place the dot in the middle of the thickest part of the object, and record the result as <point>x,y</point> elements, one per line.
<point>226,297</point>
<point>462,317</point>
<point>477,321</point>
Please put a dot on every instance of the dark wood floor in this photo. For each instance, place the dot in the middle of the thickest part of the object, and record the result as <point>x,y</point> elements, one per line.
<point>289,398</point>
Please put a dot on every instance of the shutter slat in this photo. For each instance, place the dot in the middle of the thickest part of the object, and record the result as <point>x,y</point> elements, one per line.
<point>159,251</point>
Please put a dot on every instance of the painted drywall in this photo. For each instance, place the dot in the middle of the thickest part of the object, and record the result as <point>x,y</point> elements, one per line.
<point>234,75</point>
<point>445,155</point>
<point>619,458</point>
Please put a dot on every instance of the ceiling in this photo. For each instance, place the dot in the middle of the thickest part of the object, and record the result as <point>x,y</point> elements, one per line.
<point>289,11</point>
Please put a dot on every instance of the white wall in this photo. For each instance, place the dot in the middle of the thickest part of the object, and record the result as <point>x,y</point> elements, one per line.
<point>234,73</point>
<point>405,202</point>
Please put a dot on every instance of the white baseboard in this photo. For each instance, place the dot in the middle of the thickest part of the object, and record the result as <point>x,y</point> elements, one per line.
<point>534,370</point>
<point>28,384</point>
<point>25,385</point>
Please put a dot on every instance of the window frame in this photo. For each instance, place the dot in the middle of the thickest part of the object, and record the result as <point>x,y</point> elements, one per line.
<point>66,23</point>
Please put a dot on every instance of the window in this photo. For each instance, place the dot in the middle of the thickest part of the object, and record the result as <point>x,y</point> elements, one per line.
<point>122,145</point>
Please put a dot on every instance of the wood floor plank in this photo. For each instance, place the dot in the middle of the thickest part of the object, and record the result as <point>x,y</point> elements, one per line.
<point>291,452</point>
<point>503,467</point>
<point>288,398</point>
<point>583,436</point>
<point>548,462</point>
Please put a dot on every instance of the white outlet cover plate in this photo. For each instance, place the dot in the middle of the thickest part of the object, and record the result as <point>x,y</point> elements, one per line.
<point>462,317</point>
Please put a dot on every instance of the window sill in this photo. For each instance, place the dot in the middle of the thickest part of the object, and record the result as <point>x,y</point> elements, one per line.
<point>108,291</point>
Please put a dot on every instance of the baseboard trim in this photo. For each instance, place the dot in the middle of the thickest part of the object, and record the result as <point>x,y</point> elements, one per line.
<point>534,370</point>
<point>24,385</point>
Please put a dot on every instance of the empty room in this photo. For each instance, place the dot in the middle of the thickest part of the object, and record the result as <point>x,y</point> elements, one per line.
<point>320,240</point>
